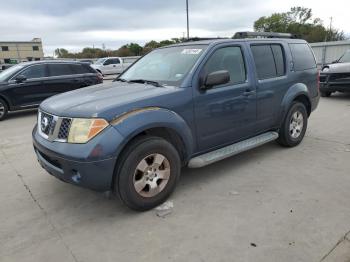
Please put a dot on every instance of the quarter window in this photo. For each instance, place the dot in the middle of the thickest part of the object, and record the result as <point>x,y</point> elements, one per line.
<point>302,56</point>
<point>79,69</point>
<point>36,71</point>
<point>269,60</point>
<point>230,59</point>
<point>59,69</point>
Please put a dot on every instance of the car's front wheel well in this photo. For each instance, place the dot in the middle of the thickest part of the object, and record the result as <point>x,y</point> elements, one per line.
<point>304,100</point>
<point>6,101</point>
<point>167,134</point>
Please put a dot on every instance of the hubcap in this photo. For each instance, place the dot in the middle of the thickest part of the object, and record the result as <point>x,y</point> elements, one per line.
<point>296,124</point>
<point>151,175</point>
<point>2,109</point>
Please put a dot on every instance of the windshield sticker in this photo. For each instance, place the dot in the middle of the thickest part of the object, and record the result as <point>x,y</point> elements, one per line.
<point>191,51</point>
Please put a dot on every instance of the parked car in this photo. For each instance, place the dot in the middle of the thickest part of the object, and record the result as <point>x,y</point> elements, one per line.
<point>26,85</point>
<point>113,65</point>
<point>336,76</point>
<point>189,104</point>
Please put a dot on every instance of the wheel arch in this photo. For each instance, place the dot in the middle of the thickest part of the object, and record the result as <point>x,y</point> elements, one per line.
<point>7,101</point>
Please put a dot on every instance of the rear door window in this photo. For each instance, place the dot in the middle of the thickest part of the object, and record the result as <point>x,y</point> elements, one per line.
<point>60,69</point>
<point>303,57</point>
<point>36,71</point>
<point>269,60</point>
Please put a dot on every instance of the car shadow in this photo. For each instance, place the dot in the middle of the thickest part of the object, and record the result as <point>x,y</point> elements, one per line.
<point>338,96</point>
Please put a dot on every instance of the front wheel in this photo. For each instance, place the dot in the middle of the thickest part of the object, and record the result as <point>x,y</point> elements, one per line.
<point>294,125</point>
<point>150,168</point>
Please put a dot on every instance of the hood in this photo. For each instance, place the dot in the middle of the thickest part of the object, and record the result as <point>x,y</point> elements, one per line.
<point>338,68</point>
<point>104,100</point>
<point>95,66</point>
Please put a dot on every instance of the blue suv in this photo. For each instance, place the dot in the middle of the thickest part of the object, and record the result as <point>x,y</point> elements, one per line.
<point>189,104</point>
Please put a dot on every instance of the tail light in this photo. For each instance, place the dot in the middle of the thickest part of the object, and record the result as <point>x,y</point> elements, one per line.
<point>100,77</point>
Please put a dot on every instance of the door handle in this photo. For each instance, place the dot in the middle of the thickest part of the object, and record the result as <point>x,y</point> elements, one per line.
<point>249,92</point>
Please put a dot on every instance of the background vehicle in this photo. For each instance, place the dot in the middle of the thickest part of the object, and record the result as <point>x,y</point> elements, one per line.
<point>113,65</point>
<point>336,76</point>
<point>190,104</point>
<point>26,85</point>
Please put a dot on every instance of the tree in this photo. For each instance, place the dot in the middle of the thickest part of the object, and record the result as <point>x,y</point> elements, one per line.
<point>299,21</point>
<point>61,52</point>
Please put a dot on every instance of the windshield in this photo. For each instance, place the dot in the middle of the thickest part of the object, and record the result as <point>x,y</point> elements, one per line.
<point>167,66</point>
<point>345,58</point>
<point>4,75</point>
<point>100,61</point>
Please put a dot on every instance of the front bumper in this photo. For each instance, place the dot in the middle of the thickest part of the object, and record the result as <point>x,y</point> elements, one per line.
<point>335,82</point>
<point>89,165</point>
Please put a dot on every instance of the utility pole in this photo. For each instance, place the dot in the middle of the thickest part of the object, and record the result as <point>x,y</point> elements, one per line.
<point>188,23</point>
<point>330,28</point>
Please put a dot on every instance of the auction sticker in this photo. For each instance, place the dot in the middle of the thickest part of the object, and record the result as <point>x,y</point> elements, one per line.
<point>191,51</point>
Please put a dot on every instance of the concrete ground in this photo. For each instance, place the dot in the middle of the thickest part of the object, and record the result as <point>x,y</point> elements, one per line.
<point>268,204</point>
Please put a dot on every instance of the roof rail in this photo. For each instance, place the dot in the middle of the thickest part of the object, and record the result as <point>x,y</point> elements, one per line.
<point>192,39</point>
<point>263,35</point>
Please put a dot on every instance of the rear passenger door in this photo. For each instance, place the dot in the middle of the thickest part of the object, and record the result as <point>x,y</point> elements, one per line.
<point>272,83</point>
<point>112,66</point>
<point>62,78</point>
<point>225,113</point>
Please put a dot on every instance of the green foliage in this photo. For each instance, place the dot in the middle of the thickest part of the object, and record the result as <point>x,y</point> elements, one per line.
<point>131,49</point>
<point>299,21</point>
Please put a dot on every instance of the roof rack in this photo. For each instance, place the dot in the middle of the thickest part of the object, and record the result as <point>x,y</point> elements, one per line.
<point>192,39</point>
<point>263,35</point>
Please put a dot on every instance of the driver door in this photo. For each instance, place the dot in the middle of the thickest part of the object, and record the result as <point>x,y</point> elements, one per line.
<point>226,113</point>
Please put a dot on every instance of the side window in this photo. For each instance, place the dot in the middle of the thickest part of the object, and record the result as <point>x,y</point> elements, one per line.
<point>302,56</point>
<point>115,61</point>
<point>59,69</point>
<point>279,59</point>
<point>79,69</point>
<point>36,71</point>
<point>230,59</point>
<point>269,60</point>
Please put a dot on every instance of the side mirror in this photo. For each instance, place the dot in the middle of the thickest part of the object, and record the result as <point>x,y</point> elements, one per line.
<point>20,79</point>
<point>216,78</point>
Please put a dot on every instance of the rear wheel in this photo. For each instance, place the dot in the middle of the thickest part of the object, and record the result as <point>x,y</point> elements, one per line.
<point>294,125</point>
<point>3,109</point>
<point>150,168</point>
<point>326,93</point>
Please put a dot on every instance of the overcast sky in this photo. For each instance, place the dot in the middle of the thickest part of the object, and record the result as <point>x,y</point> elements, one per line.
<point>74,24</point>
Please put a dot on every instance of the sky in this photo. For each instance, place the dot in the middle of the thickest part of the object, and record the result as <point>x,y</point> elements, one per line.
<point>75,24</point>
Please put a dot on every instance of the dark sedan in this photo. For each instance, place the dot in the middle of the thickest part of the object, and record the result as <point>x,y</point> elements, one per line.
<point>336,76</point>
<point>26,85</point>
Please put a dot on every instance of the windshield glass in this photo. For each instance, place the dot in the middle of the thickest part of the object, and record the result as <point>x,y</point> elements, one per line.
<point>167,66</point>
<point>4,75</point>
<point>100,61</point>
<point>345,58</point>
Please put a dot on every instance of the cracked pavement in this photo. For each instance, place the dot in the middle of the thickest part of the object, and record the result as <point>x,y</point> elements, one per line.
<point>289,204</point>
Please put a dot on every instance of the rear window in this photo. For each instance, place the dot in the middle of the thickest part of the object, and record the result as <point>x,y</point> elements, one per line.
<point>269,60</point>
<point>303,57</point>
<point>60,69</point>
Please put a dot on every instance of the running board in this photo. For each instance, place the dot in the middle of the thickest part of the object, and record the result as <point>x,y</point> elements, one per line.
<point>232,150</point>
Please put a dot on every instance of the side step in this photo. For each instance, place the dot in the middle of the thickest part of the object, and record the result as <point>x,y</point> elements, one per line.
<point>232,150</point>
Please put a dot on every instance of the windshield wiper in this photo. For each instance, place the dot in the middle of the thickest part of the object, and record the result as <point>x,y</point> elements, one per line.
<point>120,80</point>
<point>148,82</point>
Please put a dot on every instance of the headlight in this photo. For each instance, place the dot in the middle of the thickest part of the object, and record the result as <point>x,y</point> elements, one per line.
<point>82,130</point>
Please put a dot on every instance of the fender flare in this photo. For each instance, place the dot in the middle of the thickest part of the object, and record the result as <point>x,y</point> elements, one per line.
<point>293,92</point>
<point>134,122</point>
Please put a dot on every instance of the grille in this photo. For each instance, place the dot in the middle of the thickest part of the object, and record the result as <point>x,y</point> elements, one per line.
<point>64,129</point>
<point>339,76</point>
<point>323,78</point>
<point>47,123</point>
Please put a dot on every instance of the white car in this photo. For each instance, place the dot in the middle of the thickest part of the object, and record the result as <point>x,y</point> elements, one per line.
<point>113,65</point>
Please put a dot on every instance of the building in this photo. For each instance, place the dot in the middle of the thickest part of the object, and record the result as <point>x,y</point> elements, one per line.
<point>327,52</point>
<point>16,52</point>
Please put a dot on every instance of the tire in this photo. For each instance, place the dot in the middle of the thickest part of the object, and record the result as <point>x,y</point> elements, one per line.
<point>294,126</point>
<point>144,179</point>
<point>325,94</point>
<point>3,109</point>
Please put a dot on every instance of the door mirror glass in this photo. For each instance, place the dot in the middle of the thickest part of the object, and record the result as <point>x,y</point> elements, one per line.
<point>216,78</point>
<point>20,79</point>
